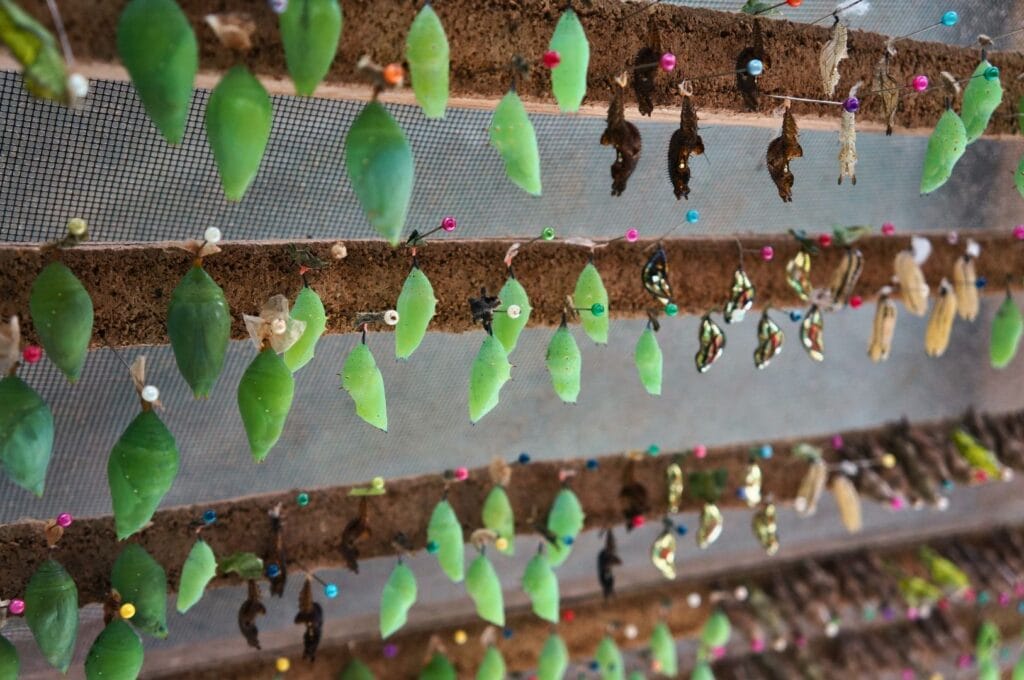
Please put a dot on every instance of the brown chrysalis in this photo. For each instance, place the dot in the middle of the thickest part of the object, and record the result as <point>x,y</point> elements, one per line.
<point>746,83</point>
<point>781,151</point>
<point>622,135</point>
<point>356,530</point>
<point>685,142</point>
<point>606,559</point>
<point>312,615</point>
<point>645,68</point>
<point>251,608</point>
<point>887,88</point>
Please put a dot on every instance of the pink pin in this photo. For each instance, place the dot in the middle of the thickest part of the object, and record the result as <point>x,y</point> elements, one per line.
<point>757,645</point>
<point>32,354</point>
<point>16,607</point>
<point>638,521</point>
<point>64,520</point>
<point>920,83</point>
<point>667,62</point>
<point>551,59</point>
<point>449,223</point>
<point>888,229</point>
<point>1018,232</point>
<point>837,441</point>
<point>461,474</point>
<point>767,253</point>
<point>897,503</point>
<point>856,301</point>
<point>632,235</point>
<point>700,451</point>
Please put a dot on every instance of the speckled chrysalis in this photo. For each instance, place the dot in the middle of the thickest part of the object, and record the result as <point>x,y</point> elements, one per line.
<point>116,654</point>
<point>565,520</point>
<point>62,315</point>
<point>444,539</point>
<point>484,587</point>
<point>238,121</point>
<point>513,136</point>
<point>416,306</point>
<point>398,596</point>
<point>51,612</point>
<point>140,580</point>
<point>569,77</point>
<point>310,31</point>
<point>565,364</point>
<point>364,383</point>
<point>426,52</point>
<point>140,471</point>
<point>590,291</point>
<point>265,395</point>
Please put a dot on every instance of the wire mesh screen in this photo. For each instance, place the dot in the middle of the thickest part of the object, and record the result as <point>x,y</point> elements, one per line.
<point>107,164</point>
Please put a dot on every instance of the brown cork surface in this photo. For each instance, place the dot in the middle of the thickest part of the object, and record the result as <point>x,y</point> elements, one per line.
<point>485,35</point>
<point>131,284</point>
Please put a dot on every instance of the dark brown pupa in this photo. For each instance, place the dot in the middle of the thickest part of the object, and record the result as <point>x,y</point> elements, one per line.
<point>685,142</point>
<point>746,83</point>
<point>622,135</point>
<point>781,151</point>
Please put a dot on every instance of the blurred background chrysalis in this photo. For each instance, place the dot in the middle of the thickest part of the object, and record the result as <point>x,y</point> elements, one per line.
<point>438,668</point>
<point>663,650</point>
<point>9,662</point>
<point>62,314</point>
<point>611,665</point>
<point>426,52</point>
<point>356,670</point>
<point>493,665</point>
<point>310,31</point>
<point>569,77</point>
<point>512,134</point>
<point>554,659</point>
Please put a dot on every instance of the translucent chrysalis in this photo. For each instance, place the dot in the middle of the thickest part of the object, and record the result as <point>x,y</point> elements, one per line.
<point>426,52</point>
<point>199,326</point>
<point>649,361</point>
<point>491,370</point>
<point>51,612</point>
<point>513,136</point>
<point>140,471</point>
<point>506,328</point>
<point>265,395</point>
<point>982,97</point>
<point>199,569</point>
<point>416,306</point>
<point>62,315</point>
<point>26,434</point>
<point>565,520</point>
<point>439,668</point>
<point>444,538</point>
<point>158,47</point>
<point>569,77</point>
<point>541,584</point>
<point>398,597</point>
<point>590,291</point>
<point>116,653</point>
<point>309,308</point>
<point>663,650</point>
<point>380,167</point>
<point>141,581</point>
<point>554,659</point>
<point>364,383</point>
<point>484,587</point>
<point>310,31</point>
<point>493,665</point>
<point>946,145</point>
<point>609,659</point>
<point>497,516</point>
<point>564,364</point>
<point>238,120</point>
<point>1007,328</point>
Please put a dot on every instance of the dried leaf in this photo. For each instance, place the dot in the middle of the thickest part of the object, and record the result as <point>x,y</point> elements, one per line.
<point>833,52</point>
<point>10,345</point>
<point>234,30</point>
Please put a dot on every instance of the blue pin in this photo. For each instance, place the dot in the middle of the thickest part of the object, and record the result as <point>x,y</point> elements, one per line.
<point>948,19</point>
<point>692,216</point>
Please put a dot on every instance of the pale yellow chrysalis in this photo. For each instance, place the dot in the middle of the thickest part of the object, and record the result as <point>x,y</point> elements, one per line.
<point>811,486</point>
<point>907,266</point>
<point>848,502</point>
<point>965,283</point>
<point>833,52</point>
<point>882,328</point>
<point>848,142</point>
<point>940,324</point>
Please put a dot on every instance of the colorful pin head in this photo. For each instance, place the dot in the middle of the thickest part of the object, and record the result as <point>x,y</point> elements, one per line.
<point>851,105</point>
<point>551,59</point>
<point>920,83</point>
<point>692,216</point>
<point>667,62</point>
<point>950,18</point>
<point>755,67</point>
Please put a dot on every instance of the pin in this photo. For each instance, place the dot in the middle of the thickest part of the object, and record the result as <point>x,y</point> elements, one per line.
<point>850,104</point>
<point>448,224</point>
<point>330,589</point>
<point>948,19</point>
<point>754,67</point>
<point>1007,35</point>
<point>363,319</point>
<point>666,63</point>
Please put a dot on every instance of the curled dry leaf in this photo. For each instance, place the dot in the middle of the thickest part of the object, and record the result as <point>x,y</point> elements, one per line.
<point>274,326</point>
<point>833,52</point>
<point>233,29</point>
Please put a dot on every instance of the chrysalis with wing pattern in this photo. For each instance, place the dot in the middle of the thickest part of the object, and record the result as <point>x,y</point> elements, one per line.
<point>812,333</point>
<point>426,52</point>
<point>310,31</point>
<point>238,121</point>
<point>62,314</point>
<point>141,581</point>
<point>712,344</point>
<point>512,134</point>
<point>769,341</point>
<point>116,654</point>
<point>654,276</point>
<point>51,612</point>
<point>484,587</point>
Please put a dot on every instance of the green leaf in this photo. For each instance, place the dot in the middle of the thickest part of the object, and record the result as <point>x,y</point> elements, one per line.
<point>398,597</point>
<point>554,659</point>
<point>491,370</point>
<point>26,434</point>
<point>265,395</point>
<point>199,326</point>
<point>426,52</point>
<point>308,308</point>
<point>140,471</point>
<point>498,516</point>
<point>484,587</point>
<point>609,659</point>
<point>310,31</point>
<point>445,533</point>
<point>416,306</point>
<point>380,167</point>
<point>492,667</point>
<point>158,47</point>
<point>541,584</point>
<point>512,134</point>
<point>239,116</point>
<point>590,291</point>
<point>62,315</point>
<point>364,383</point>
<point>565,520</point>
<point>141,581</point>
<point>51,612</point>
<point>199,569</point>
<point>247,565</point>
<point>116,654</point>
<point>37,51</point>
<point>569,78</point>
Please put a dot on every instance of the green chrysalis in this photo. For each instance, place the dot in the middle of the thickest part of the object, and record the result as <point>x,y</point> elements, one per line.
<point>609,660</point>
<point>1007,327</point>
<point>140,580</point>
<point>35,48</point>
<point>541,584</point>
<point>380,167</point>
<point>944,572</point>
<point>199,325</point>
<point>513,136</point>
<point>981,98</point>
<point>565,520</point>
<point>702,671</point>
<point>439,668</point>
<point>444,535</point>
<point>569,78</point>
<point>589,292</point>
<point>26,434</point>
<point>498,517</point>
<point>308,308</point>
<point>484,587</point>
<point>976,454</point>
<point>362,380</point>
<point>398,597</point>
<point>310,31</point>
<point>506,328</point>
<point>239,116</point>
<point>492,667</point>
<point>426,52</point>
<point>649,361</point>
<point>491,369</point>
<point>140,471</point>
<point>9,662</point>
<point>158,47</point>
<point>62,314</point>
<point>554,659</point>
<point>199,569</point>
<point>564,364</point>
<point>51,612</point>
<point>946,145</point>
<point>416,305</point>
<point>116,654</point>
<point>265,395</point>
<point>663,651</point>
<point>716,630</point>
<point>1018,179</point>
<point>356,670</point>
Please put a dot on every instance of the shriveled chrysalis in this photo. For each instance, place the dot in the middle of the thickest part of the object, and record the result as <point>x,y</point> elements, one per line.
<point>883,327</point>
<point>940,323</point>
<point>913,287</point>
